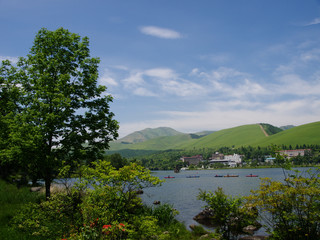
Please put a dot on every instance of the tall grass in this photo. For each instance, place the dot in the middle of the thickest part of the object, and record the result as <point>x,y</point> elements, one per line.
<point>11,200</point>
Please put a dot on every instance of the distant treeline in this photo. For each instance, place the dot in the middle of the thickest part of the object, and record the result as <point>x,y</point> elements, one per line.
<point>169,159</point>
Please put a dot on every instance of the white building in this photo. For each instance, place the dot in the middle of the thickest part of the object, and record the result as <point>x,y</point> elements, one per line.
<point>234,158</point>
<point>230,160</point>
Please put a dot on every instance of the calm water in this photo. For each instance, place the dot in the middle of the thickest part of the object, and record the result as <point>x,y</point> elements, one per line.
<point>182,192</point>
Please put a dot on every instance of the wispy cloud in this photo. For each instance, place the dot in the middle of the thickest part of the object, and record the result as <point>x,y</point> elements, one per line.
<point>135,79</point>
<point>182,88</point>
<point>160,32</point>
<point>224,73</point>
<point>293,84</point>
<point>313,22</point>
<point>140,91</point>
<point>161,73</point>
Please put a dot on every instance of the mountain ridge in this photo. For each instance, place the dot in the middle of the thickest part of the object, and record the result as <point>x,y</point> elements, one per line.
<point>243,135</point>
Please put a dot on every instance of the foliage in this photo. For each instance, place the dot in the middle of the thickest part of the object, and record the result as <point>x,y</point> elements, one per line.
<point>103,205</point>
<point>116,160</point>
<point>12,200</point>
<point>270,130</point>
<point>9,108</point>
<point>63,114</point>
<point>230,214</point>
<point>164,214</point>
<point>290,209</point>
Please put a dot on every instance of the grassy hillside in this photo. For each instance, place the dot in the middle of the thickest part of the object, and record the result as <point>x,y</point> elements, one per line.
<point>303,134</point>
<point>237,137</point>
<point>148,133</point>
<point>233,137</point>
<point>159,143</point>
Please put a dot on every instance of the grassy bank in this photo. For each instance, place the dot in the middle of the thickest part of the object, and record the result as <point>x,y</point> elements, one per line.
<point>11,200</point>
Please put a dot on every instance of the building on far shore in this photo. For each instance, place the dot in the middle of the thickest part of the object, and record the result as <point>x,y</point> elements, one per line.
<point>294,153</point>
<point>230,160</point>
<point>194,160</point>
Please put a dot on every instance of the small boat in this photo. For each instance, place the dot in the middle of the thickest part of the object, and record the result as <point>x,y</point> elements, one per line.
<point>218,175</point>
<point>251,175</point>
<point>193,176</point>
<point>231,175</point>
<point>169,177</point>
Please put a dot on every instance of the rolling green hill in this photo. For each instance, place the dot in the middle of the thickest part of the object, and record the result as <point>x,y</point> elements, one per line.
<point>155,139</point>
<point>147,134</point>
<point>236,137</point>
<point>303,134</point>
<point>246,135</point>
<point>159,143</point>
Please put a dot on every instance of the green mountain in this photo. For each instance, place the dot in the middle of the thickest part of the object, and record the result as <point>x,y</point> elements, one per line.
<point>254,135</point>
<point>155,139</point>
<point>299,135</point>
<point>147,134</point>
<point>232,137</point>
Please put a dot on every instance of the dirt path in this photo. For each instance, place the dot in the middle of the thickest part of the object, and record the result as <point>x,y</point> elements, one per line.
<point>262,129</point>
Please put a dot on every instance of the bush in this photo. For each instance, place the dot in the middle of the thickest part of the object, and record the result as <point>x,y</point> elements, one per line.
<point>291,209</point>
<point>11,201</point>
<point>230,214</point>
<point>103,206</point>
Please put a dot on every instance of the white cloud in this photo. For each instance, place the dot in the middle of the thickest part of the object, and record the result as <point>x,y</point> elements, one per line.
<point>312,55</point>
<point>108,81</point>
<point>313,22</point>
<point>225,73</point>
<point>140,91</point>
<point>160,32</point>
<point>249,87</point>
<point>182,88</point>
<point>161,73</point>
<point>293,84</point>
<point>134,79</point>
<point>194,71</point>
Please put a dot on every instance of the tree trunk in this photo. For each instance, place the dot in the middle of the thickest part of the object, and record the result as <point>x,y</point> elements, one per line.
<point>47,185</point>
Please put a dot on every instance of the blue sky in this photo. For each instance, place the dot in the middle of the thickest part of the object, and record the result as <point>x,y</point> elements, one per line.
<point>189,65</point>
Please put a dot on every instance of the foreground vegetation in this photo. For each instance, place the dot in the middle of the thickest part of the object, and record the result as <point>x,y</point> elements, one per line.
<point>103,205</point>
<point>12,200</point>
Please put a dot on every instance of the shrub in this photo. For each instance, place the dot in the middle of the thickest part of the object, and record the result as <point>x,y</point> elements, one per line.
<point>103,206</point>
<point>290,209</point>
<point>230,214</point>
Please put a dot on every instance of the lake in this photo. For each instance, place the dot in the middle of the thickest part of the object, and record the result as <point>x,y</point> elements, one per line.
<point>181,192</point>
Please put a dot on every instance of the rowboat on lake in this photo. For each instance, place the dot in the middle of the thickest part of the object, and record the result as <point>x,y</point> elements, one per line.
<point>193,176</point>
<point>231,175</point>
<point>251,175</point>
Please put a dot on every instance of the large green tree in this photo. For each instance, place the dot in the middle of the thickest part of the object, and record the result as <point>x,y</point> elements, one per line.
<point>9,107</point>
<point>64,114</point>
